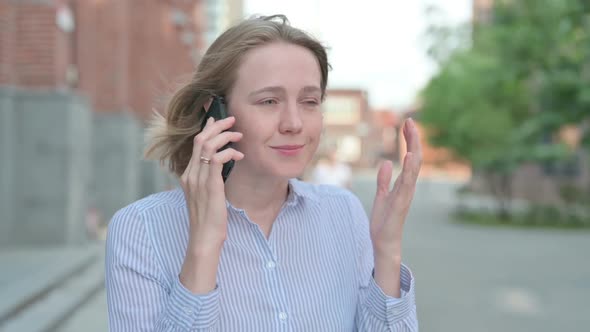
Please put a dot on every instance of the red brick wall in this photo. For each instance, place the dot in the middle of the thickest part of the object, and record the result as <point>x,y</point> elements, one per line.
<point>128,53</point>
<point>101,53</point>
<point>34,51</point>
<point>158,58</point>
<point>6,41</point>
<point>86,53</point>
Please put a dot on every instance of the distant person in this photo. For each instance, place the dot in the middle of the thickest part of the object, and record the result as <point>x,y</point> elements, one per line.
<point>261,251</point>
<point>93,223</point>
<point>332,171</point>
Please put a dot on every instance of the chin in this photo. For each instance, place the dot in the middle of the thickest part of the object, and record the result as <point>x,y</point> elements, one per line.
<point>288,171</point>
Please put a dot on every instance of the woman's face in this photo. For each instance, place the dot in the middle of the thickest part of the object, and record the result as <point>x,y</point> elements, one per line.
<point>276,102</point>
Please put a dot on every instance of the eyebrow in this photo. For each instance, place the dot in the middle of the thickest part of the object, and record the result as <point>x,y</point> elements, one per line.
<point>310,89</point>
<point>267,89</point>
<point>278,89</point>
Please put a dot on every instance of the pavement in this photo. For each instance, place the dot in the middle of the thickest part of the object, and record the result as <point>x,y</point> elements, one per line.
<point>468,278</point>
<point>92,317</point>
<point>42,287</point>
<point>480,279</point>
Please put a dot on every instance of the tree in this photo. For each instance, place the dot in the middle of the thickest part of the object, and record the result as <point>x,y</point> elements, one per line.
<point>500,97</point>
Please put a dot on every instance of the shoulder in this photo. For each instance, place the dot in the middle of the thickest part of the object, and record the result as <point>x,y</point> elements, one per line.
<point>131,218</point>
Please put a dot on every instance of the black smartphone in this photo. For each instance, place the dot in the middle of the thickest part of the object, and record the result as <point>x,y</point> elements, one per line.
<point>218,111</point>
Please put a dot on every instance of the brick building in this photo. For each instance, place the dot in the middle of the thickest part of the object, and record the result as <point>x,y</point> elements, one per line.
<point>386,123</point>
<point>348,127</point>
<point>77,79</point>
<point>119,54</point>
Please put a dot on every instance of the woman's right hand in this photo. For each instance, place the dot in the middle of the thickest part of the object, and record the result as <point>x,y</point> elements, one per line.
<point>205,198</point>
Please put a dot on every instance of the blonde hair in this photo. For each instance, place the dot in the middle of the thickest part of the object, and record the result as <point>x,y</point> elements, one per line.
<point>170,138</point>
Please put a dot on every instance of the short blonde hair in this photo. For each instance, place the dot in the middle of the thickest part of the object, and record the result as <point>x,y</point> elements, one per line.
<point>170,138</point>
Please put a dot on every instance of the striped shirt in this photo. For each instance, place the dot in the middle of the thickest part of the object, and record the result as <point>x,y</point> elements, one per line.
<point>313,273</point>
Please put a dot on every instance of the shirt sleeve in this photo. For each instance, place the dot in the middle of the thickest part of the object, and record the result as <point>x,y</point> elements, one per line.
<point>375,310</point>
<point>138,296</point>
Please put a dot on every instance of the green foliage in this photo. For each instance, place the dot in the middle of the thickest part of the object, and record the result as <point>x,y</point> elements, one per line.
<point>498,100</point>
<point>535,216</point>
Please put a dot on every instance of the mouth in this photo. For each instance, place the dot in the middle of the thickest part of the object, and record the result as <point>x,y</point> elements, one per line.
<point>288,150</point>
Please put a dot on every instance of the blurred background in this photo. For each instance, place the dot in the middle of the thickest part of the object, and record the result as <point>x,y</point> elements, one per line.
<point>497,236</point>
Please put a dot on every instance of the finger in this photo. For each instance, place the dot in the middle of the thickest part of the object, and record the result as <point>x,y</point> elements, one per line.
<point>224,156</point>
<point>384,177</point>
<point>191,173</point>
<point>217,127</point>
<point>217,162</point>
<point>198,142</point>
<point>217,142</point>
<point>409,174</point>
<point>186,175</point>
<point>412,138</point>
<point>383,182</point>
<point>211,147</point>
<point>403,192</point>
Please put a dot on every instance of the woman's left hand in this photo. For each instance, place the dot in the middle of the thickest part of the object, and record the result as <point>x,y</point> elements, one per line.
<point>391,207</point>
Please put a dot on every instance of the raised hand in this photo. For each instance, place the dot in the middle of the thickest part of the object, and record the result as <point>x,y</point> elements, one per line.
<point>390,210</point>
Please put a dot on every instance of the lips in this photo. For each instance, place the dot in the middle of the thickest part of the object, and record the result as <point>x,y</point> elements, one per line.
<point>288,150</point>
<point>287,147</point>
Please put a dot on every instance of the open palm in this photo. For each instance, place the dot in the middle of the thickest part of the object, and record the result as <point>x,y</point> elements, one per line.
<point>391,207</point>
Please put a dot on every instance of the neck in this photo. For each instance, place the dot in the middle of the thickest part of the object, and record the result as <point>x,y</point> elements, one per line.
<point>256,194</point>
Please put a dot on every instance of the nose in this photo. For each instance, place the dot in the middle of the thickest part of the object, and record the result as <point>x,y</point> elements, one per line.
<point>291,121</point>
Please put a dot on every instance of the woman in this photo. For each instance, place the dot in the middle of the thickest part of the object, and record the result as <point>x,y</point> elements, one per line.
<point>330,170</point>
<point>262,251</point>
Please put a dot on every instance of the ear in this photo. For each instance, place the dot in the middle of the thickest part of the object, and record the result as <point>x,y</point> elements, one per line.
<point>207,104</point>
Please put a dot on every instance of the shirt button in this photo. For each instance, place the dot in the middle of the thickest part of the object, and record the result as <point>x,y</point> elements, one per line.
<point>283,316</point>
<point>188,311</point>
<point>271,265</point>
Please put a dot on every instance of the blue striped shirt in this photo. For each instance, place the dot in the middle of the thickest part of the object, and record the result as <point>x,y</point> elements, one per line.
<point>313,273</point>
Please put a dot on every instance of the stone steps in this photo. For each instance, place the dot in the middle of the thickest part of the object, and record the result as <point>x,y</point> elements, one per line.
<point>41,300</point>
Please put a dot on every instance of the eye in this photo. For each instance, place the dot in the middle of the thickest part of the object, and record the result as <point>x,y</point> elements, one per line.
<point>311,102</point>
<point>269,102</point>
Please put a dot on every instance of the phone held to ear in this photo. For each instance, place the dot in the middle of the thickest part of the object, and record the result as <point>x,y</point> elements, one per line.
<point>218,111</point>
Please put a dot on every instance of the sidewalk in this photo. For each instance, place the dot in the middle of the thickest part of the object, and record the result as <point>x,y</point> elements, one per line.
<point>40,288</point>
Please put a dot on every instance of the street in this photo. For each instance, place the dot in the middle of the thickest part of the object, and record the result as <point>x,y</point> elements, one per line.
<point>478,279</point>
<point>471,278</point>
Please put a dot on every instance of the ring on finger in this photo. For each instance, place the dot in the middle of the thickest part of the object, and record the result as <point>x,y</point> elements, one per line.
<point>205,160</point>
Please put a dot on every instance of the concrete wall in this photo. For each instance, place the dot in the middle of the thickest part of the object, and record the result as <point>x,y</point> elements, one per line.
<point>6,163</point>
<point>115,162</point>
<point>154,178</point>
<point>45,153</point>
<point>59,160</point>
<point>119,175</point>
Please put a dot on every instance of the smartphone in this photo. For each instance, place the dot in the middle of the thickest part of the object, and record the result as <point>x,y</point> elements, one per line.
<point>218,111</point>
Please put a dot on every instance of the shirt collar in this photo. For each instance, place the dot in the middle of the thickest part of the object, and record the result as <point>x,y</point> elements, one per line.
<point>299,192</point>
